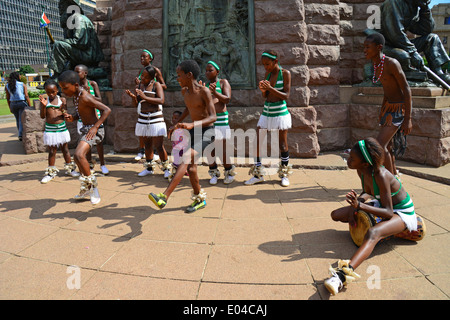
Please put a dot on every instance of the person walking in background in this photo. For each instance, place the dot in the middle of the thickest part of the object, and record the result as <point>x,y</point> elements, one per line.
<point>17,97</point>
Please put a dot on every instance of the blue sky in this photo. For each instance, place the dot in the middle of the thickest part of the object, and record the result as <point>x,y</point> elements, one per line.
<point>434,2</point>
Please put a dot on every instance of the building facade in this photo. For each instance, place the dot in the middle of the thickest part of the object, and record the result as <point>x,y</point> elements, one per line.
<point>22,42</point>
<point>441,15</point>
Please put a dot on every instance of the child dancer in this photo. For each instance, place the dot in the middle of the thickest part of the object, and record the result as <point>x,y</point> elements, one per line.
<point>396,108</point>
<point>92,87</point>
<point>92,130</point>
<point>179,144</point>
<point>392,204</point>
<point>151,125</point>
<point>221,93</point>
<point>200,106</point>
<point>146,61</point>
<point>275,89</point>
<point>56,133</point>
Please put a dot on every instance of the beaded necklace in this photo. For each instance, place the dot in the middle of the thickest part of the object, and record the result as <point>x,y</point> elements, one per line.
<point>381,64</point>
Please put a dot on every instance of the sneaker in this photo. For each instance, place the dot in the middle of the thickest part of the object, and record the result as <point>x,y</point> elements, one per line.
<point>155,157</point>
<point>47,178</point>
<point>213,180</point>
<point>145,172</point>
<point>104,169</point>
<point>254,180</point>
<point>284,182</point>
<point>166,174</point>
<point>139,156</point>
<point>160,200</point>
<point>95,196</point>
<point>83,195</point>
<point>196,205</point>
<point>333,284</point>
<point>228,179</point>
<point>74,174</point>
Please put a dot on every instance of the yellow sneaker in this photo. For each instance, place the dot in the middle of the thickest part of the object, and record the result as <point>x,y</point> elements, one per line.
<point>160,200</point>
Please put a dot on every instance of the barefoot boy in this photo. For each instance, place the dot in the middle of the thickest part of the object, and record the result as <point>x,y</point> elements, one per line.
<point>200,106</point>
<point>396,108</point>
<point>92,130</point>
<point>92,87</point>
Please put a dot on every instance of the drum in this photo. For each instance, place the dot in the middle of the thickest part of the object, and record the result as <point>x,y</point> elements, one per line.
<point>414,235</point>
<point>365,220</point>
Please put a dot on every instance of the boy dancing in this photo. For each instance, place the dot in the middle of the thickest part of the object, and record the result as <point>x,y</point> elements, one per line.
<point>200,106</point>
<point>92,130</point>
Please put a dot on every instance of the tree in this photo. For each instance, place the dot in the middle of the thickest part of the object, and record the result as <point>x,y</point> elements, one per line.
<point>26,69</point>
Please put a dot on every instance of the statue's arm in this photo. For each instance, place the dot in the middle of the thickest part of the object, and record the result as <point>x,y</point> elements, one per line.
<point>426,23</point>
<point>392,26</point>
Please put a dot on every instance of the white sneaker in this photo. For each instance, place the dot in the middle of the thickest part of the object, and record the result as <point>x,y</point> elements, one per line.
<point>166,174</point>
<point>213,180</point>
<point>83,195</point>
<point>145,172</point>
<point>155,157</point>
<point>74,174</point>
<point>253,180</point>
<point>139,156</point>
<point>95,196</point>
<point>284,182</point>
<point>333,284</point>
<point>47,178</point>
<point>104,169</point>
<point>228,179</point>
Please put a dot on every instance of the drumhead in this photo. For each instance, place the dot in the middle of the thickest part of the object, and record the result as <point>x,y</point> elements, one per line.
<point>364,221</point>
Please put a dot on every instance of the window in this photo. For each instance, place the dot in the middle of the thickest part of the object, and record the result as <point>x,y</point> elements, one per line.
<point>447,20</point>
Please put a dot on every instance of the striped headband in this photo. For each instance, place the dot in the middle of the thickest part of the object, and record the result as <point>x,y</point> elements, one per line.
<point>149,53</point>
<point>215,65</point>
<point>268,55</point>
<point>365,152</point>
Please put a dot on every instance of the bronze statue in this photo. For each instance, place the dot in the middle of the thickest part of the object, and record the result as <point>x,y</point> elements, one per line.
<point>400,16</point>
<point>80,44</point>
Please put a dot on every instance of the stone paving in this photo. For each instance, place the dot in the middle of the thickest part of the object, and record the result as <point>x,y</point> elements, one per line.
<point>263,242</point>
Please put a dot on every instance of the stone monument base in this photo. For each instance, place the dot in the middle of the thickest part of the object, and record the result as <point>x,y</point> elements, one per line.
<point>429,141</point>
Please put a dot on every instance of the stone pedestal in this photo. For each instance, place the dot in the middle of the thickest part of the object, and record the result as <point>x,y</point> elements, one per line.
<point>429,141</point>
<point>422,97</point>
<point>294,40</point>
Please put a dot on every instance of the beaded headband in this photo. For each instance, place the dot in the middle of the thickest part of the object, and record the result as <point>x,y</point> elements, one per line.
<point>268,55</point>
<point>365,152</point>
<point>215,65</point>
<point>149,53</point>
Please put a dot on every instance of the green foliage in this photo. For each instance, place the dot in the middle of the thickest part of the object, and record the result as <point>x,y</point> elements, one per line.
<point>35,94</point>
<point>4,109</point>
<point>26,69</point>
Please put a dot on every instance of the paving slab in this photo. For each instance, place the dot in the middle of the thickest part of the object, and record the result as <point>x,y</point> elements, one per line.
<point>262,242</point>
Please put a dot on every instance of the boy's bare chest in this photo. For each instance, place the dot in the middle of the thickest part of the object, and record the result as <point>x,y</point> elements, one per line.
<point>196,106</point>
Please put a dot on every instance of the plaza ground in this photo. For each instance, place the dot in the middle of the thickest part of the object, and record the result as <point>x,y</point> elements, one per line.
<point>250,243</point>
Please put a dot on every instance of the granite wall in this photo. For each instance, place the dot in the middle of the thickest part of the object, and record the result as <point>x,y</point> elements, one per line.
<point>138,24</point>
<point>319,41</point>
